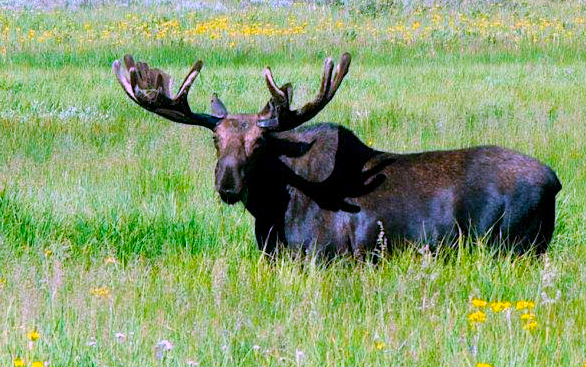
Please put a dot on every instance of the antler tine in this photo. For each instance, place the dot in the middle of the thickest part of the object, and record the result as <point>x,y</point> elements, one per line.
<point>276,92</point>
<point>144,73</point>
<point>341,71</point>
<point>189,79</point>
<point>326,79</point>
<point>123,80</point>
<point>151,89</point>
<point>164,83</point>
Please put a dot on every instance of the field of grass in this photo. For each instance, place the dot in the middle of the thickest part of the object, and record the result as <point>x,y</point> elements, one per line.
<point>116,251</point>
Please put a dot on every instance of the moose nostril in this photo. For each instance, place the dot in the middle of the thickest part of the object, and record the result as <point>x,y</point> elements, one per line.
<point>229,196</point>
<point>228,183</point>
<point>229,191</point>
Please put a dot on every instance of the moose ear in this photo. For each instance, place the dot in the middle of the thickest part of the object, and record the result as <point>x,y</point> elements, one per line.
<point>218,108</point>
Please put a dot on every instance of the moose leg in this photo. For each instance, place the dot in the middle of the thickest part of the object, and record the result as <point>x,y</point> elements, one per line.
<point>266,237</point>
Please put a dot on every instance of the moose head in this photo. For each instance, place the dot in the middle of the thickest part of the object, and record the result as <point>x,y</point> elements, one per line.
<point>239,138</point>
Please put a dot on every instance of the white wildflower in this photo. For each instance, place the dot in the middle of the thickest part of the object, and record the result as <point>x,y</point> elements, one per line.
<point>299,356</point>
<point>120,337</point>
<point>162,348</point>
<point>546,299</point>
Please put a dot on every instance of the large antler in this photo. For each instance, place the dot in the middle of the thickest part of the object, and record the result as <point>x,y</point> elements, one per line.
<point>279,106</point>
<point>151,89</point>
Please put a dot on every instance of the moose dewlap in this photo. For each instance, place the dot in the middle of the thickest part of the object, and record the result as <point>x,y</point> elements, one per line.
<point>320,189</point>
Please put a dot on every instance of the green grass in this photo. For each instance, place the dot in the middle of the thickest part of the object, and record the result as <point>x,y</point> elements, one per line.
<point>109,223</point>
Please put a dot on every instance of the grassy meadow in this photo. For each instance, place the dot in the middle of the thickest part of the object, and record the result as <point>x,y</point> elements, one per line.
<point>116,251</point>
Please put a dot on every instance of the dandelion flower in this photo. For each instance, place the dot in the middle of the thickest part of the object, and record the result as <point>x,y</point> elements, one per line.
<point>528,317</point>
<point>531,325</point>
<point>499,306</point>
<point>525,305</point>
<point>18,362</point>
<point>482,364</point>
<point>37,364</point>
<point>477,317</point>
<point>33,335</point>
<point>103,292</point>
<point>480,303</point>
<point>379,345</point>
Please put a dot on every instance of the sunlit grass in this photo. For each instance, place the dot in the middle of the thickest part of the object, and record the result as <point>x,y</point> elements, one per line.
<point>435,25</point>
<point>115,250</point>
<point>431,30</point>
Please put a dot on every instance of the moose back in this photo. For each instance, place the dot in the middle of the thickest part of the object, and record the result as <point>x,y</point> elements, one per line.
<point>320,189</point>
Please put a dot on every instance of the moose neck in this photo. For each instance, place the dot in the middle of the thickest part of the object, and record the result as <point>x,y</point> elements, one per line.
<point>308,159</point>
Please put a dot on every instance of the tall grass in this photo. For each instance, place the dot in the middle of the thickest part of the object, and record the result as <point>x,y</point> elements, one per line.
<point>115,248</point>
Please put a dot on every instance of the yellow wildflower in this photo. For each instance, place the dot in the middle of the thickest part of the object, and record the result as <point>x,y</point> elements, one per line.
<point>380,345</point>
<point>18,362</point>
<point>33,335</point>
<point>482,364</point>
<point>480,303</point>
<point>499,306</point>
<point>525,305</point>
<point>477,316</point>
<point>527,316</point>
<point>100,292</point>
<point>531,325</point>
<point>37,364</point>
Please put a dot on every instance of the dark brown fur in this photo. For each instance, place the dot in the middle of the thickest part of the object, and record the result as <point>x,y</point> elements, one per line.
<point>339,194</point>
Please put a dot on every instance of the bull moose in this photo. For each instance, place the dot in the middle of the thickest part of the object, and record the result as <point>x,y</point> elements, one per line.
<point>320,189</point>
